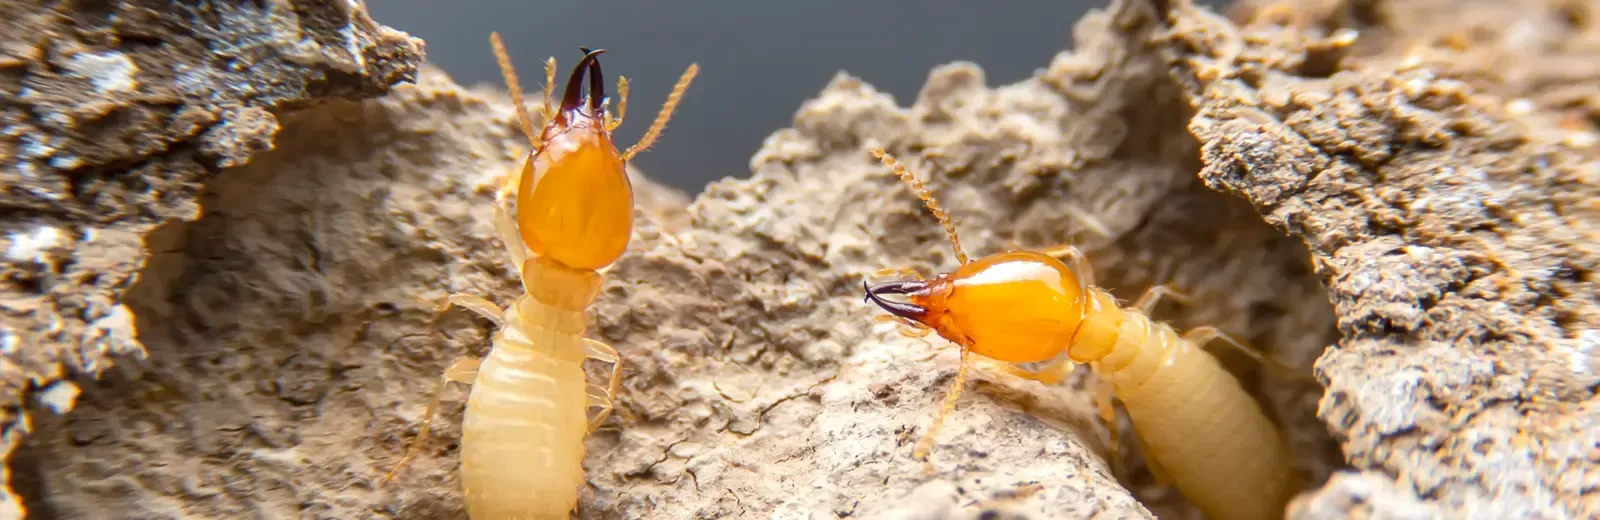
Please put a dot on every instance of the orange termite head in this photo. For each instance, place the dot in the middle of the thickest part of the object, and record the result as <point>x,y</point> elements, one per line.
<point>575,203</point>
<point>1017,306</point>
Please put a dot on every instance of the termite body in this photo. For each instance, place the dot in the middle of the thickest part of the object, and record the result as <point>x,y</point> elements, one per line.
<point>522,435</point>
<point>1201,431</point>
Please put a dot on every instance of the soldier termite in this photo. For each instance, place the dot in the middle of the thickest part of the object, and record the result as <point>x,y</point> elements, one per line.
<point>526,416</point>
<point>1201,431</point>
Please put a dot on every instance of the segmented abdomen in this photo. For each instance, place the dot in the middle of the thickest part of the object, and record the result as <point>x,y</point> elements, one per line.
<point>522,436</point>
<point>1199,425</point>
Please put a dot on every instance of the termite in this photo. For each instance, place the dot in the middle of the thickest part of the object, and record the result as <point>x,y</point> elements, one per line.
<point>527,412</point>
<point>1199,428</point>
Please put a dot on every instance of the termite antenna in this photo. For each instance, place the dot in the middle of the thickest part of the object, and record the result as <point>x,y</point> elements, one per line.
<point>912,312</point>
<point>927,199</point>
<point>654,132</point>
<point>514,87</point>
<point>574,93</point>
<point>925,444</point>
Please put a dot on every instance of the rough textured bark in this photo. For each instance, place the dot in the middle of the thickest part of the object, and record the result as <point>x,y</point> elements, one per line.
<point>112,116</point>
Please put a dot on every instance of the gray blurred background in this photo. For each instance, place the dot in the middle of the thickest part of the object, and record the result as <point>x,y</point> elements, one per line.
<point>758,59</point>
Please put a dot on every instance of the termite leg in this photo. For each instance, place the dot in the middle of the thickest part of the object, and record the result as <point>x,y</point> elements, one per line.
<point>1200,336</point>
<point>925,445</point>
<point>1102,401</point>
<point>916,332</point>
<point>607,398</point>
<point>1074,258</point>
<point>509,183</point>
<point>1147,302</point>
<point>1051,374</point>
<point>909,329</point>
<point>599,398</point>
<point>463,371</point>
<point>516,249</point>
<point>1088,220</point>
<point>898,271</point>
<point>477,304</point>
<point>503,223</point>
